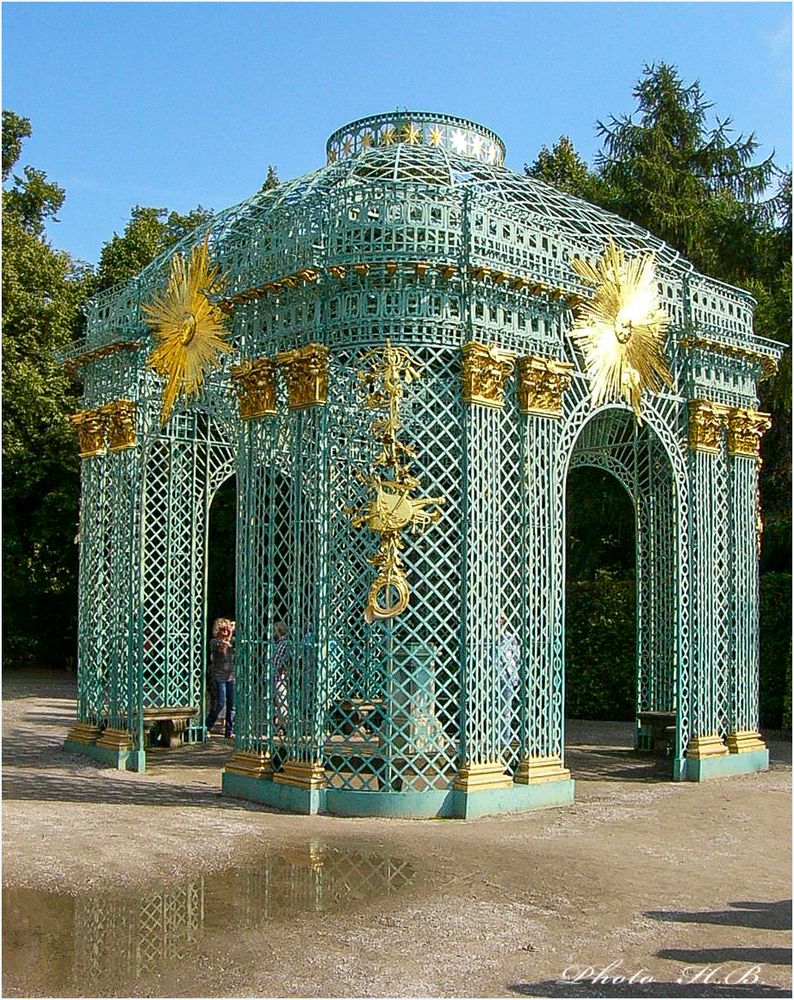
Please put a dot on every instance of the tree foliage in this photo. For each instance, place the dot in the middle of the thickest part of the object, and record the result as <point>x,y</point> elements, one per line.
<point>15,130</point>
<point>149,232</point>
<point>42,293</point>
<point>667,169</point>
<point>271,181</point>
<point>563,168</point>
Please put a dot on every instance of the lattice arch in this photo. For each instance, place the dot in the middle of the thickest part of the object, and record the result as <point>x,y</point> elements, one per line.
<point>413,234</point>
<point>610,439</point>
<point>183,467</point>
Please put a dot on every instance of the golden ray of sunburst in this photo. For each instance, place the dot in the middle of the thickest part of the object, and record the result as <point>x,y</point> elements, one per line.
<point>188,328</point>
<point>621,328</point>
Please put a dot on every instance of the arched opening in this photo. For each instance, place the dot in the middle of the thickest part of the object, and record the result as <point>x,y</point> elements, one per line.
<point>600,612</point>
<point>620,636</point>
<point>221,549</point>
<point>221,589</point>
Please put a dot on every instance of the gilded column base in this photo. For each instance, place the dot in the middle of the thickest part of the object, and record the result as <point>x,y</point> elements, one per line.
<point>701,747</point>
<point>532,770</point>
<point>84,732</point>
<point>744,741</point>
<point>250,763</point>
<point>301,774</point>
<point>478,777</point>
<point>115,739</point>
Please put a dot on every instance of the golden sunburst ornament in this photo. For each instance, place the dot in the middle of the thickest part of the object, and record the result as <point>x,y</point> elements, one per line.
<point>188,328</point>
<point>621,328</point>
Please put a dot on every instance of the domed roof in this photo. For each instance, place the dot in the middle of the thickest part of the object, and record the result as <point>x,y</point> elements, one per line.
<point>433,150</point>
<point>434,160</point>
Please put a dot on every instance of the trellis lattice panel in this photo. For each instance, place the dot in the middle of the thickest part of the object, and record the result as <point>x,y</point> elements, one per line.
<point>376,703</point>
<point>492,588</point>
<point>709,537</point>
<point>743,472</point>
<point>95,626</point>
<point>184,465</point>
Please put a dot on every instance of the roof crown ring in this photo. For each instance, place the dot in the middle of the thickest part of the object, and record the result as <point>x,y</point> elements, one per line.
<point>457,136</point>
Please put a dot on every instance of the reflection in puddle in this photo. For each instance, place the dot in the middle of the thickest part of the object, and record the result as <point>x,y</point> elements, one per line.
<point>96,945</point>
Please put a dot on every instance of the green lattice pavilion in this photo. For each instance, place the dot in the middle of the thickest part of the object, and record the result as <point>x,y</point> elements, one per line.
<point>414,237</point>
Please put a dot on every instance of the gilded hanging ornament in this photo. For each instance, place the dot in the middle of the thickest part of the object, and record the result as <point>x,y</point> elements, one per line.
<point>621,328</point>
<point>392,506</point>
<point>188,327</point>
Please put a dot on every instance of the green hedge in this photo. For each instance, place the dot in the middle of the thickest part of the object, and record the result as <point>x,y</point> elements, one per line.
<point>600,643</point>
<point>775,668</point>
<point>600,649</point>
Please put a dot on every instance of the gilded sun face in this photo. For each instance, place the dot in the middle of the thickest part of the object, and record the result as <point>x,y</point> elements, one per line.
<point>621,328</point>
<point>188,328</point>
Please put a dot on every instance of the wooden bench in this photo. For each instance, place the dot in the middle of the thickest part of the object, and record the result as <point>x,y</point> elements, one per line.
<point>661,728</point>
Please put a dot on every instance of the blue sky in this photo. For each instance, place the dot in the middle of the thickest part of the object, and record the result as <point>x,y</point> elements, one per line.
<point>183,104</point>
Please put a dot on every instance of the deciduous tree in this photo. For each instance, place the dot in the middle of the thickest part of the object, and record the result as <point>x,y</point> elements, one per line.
<point>42,293</point>
<point>149,232</point>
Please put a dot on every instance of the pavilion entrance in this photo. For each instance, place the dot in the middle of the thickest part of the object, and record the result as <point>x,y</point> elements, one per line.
<point>634,456</point>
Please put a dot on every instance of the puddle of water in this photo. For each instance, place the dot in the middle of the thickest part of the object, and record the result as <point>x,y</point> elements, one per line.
<point>112,945</point>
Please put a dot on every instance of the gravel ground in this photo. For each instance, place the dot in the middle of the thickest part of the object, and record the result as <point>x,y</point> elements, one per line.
<point>640,877</point>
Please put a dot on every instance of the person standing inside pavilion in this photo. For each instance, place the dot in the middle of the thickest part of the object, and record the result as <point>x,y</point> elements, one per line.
<point>222,668</point>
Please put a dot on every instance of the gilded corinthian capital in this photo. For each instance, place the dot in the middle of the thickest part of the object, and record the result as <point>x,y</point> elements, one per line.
<point>485,370</point>
<point>305,371</point>
<point>89,425</point>
<point>541,383</point>
<point>706,422</point>
<point>119,419</point>
<point>745,430</point>
<point>255,382</point>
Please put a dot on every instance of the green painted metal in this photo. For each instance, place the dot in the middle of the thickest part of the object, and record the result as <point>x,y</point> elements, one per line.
<point>721,767</point>
<point>436,803</point>
<point>392,710</point>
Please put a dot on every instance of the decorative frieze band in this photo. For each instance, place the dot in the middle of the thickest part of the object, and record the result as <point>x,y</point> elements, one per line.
<point>745,428</point>
<point>255,383</point>
<point>485,370</point>
<point>111,426</point>
<point>305,371</point>
<point>541,384</point>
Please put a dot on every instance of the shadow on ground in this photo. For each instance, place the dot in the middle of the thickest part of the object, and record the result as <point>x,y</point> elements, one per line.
<point>190,776</point>
<point>558,988</point>
<point>770,916</point>
<point>588,763</point>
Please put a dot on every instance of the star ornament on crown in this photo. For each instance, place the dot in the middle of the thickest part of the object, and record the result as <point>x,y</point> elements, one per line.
<point>621,329</point>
